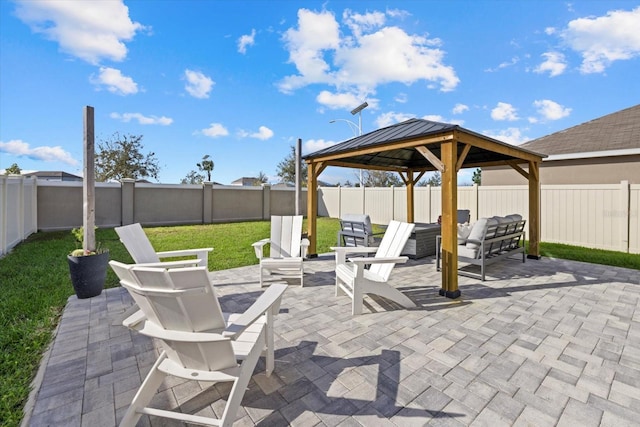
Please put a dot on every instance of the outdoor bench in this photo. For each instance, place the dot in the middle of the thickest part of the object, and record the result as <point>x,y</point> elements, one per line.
<point>488,241</point>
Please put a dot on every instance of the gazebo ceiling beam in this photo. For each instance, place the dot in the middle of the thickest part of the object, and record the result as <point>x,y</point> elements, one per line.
<point>462,156</point>
<point>432,158</point>
<point>495,147</point>
<point>364,166</point>
<point>518,169</point>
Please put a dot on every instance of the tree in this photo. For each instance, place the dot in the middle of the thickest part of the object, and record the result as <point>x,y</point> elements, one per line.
<point>477,176</point>
<point>121,157</point>
<point>192,177</point>
<point>14,169</point>
<point>373,178</point>
<point>206,165</point>
<point>287,169</point>
<point>262,178</point>
<point>435,181</point>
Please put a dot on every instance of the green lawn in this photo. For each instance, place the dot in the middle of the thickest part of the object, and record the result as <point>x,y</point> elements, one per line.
<point>34,285</point>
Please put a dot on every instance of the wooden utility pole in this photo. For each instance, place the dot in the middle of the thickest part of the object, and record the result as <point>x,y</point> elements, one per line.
<point>89,183</point>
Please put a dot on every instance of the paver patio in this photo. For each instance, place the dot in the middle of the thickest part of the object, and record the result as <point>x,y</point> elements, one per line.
<point>549,342</point>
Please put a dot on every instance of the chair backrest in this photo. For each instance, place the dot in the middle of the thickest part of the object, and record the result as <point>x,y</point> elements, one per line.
<point>393,242</point>
<point>463,215</point>
<point>359,230</point>
<point>137,243</point>
<point>286,234</point>
<point>183,300</point>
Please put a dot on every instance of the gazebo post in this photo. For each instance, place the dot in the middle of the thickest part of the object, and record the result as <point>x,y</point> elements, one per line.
<point>449,222</point>
<point>534,210</point>
<point>410,197</point>
<point>312,209</point>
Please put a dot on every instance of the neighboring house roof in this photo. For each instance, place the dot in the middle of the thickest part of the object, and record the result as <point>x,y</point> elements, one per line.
<point>614,134</point>
<point>54,176</point>
<point>248,181</point>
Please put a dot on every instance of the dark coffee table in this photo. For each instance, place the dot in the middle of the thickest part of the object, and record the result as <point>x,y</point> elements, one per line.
<point>422,241</point>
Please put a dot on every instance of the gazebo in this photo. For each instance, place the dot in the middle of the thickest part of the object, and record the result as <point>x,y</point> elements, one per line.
<point>414,147</point>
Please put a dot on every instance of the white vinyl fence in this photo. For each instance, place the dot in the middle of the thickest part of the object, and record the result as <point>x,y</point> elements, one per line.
<point>595,216</point>
<point>18,212</point>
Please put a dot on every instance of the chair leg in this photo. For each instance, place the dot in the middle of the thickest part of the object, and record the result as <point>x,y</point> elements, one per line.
<point>357,301</point>
<point>269,352</point>
<point>240,385</point>
<point>144,395</point>
<point>261,277</point>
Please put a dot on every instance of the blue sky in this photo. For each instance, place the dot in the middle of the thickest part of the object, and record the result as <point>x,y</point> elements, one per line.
<point>241,81</point>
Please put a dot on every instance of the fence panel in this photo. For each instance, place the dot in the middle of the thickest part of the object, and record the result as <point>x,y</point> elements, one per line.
<point>583,216</point>
<point>634,219</point>
<point>352,202</point>
<point>379,204</point>
<point>503,200</point>
<point>237,204</point>
<point>329,201</point>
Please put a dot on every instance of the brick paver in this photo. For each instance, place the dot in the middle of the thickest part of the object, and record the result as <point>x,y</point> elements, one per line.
<point>550,342</point>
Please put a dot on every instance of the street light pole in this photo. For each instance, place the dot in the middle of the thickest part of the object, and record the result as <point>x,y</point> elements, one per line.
<point>358,111</point>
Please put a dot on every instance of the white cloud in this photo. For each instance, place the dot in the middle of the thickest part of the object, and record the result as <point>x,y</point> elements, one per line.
<point>246,40</point>
<point>94,31</point>
<point>434,118</point>
<point>604,39</point>
<point>263,133</point>
<point>511,136</point>
<point>20,148</point>
<point>550,30</point>
<point>391,118</point>
<point>198,85</point>
<point>114,81</point>
<point>142,119</point>
<point>504,111</point>
<point>313,145</point>
<point>554,63</point>
<point>215,130</point>
<point>505,64</point>
<point>551,110</point>
<point>335,101</point>
<point>401,98</point>
<point>460,108</point>
<point>358,62</point>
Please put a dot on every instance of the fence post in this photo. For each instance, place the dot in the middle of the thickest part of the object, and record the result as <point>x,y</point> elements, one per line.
<point>625,215</point>
<point>266,201</point>
<point>21,218</point>
<point>127,190</point>
<point>474,201</point>
<point>3,214</point>
<point>207,202</point>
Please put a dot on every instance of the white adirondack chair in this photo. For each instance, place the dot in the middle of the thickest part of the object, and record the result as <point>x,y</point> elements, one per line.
<point>354,280</point>
<point>137,243</point>
<point>287,249</point>
<point>200,343</point>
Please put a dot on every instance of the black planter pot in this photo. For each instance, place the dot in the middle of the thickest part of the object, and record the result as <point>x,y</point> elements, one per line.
<point>88,274</point>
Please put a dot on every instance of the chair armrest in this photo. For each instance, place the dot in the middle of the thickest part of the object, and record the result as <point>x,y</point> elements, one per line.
<point>200,253</point>
<point>172,264</point>
<point>259,247</point>
<point>269,301</point>
<point>342,251</point>
<point>152,330</point>
<point>379,260</point>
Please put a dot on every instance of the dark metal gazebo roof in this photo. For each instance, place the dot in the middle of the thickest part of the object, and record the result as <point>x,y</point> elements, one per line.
<point>367,151</point>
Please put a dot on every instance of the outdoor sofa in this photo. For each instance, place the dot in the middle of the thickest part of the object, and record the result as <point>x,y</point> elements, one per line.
<point>487,241</point>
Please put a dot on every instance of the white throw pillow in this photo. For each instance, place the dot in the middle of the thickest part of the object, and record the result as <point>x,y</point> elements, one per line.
<point>463,233</point>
